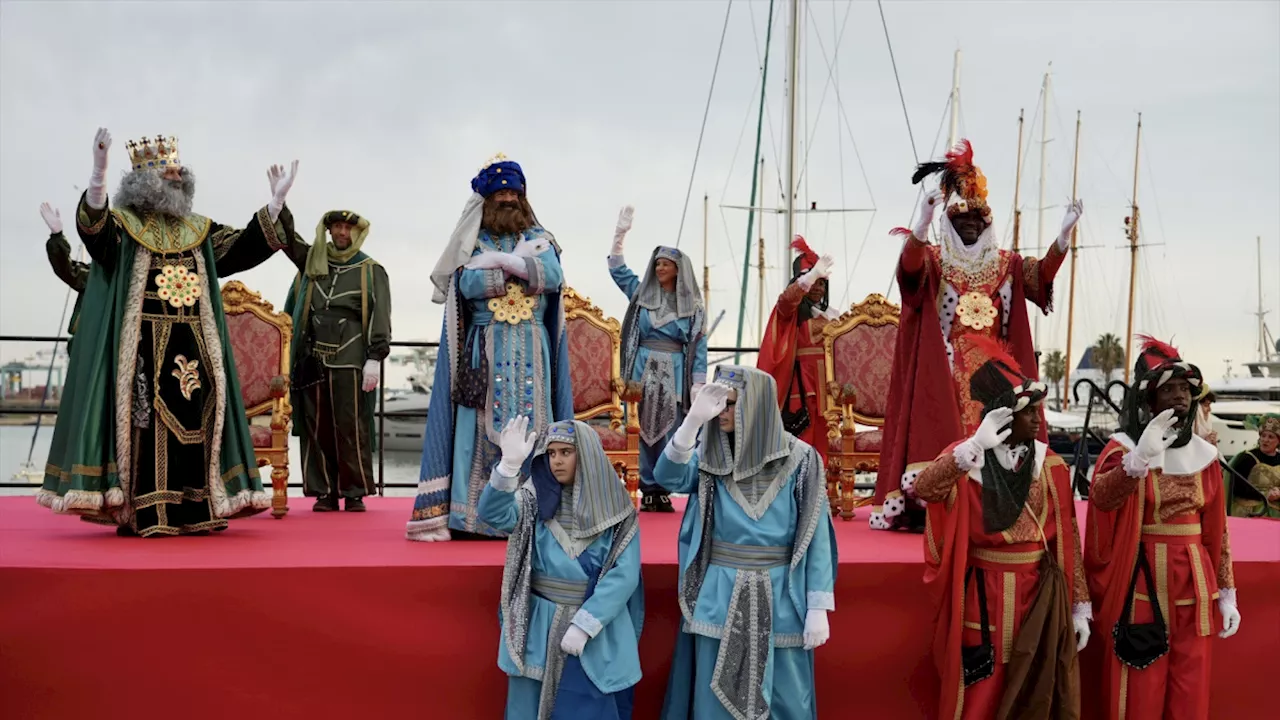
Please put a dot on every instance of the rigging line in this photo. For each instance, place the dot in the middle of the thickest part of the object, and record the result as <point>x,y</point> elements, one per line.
<point>844,218</point>
<point>732,256</point>
<point>901,98</point>
<point>746,118</point>
<point>705,113</point>
<point>830,76</point>
<point>1007,234</point>
<point>53,358</point>
<point>893,276</point>
<point>853,269</point>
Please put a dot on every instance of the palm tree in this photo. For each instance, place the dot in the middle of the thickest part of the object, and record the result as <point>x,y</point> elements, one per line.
<point>1108,354</point>
<point>1055,368</point>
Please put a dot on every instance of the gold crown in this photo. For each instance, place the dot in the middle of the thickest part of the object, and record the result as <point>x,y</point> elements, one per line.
<point>157,152</point>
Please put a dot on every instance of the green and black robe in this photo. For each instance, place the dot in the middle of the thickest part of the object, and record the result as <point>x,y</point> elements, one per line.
<point>1262,475</point>
<point>340,321</point>
<point>72,272</point>
<point>151,432</point>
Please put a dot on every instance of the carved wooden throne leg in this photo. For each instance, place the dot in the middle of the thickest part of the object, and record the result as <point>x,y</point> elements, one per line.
<point>280,488</point>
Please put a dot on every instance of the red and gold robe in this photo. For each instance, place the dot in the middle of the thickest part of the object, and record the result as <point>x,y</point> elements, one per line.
<point>787,341</point>
<point>1181,522</point>
<point>929,405</point>
<point>955,540</point>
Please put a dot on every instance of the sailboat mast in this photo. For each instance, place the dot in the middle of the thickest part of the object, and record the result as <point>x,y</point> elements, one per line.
<point>1133,257</point>
<point>706,265</point>
<point>1262,325</point>
<point>755,178</point>
<point>1071,294</point>
<point>759,202</point>
<point>793,91</point>
<point>1017,187</point>
<point>1044,166</point>
<point>953,134</point>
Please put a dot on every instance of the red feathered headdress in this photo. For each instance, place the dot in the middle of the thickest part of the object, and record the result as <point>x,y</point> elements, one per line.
<point>1161,362</point>
<point>961,180</point>
<point>807,259</point>
<point>999,382</point>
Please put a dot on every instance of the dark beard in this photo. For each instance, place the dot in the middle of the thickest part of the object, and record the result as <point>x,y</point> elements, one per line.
<point>505,218</point>
<point>146,192</point>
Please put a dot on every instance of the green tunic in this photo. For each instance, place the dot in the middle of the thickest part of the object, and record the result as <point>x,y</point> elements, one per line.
<point>72,272</point>
<point>152,430</point>
<point>1263,474</point>
<point>341,321</point>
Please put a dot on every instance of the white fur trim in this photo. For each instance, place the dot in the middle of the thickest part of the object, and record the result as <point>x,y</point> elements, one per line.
<point>114,497</point>
<point>46,498</point>
<point>587,622</point>
<point>878,521</point>
<point>78,500</point>
<point>818,600</point>
<point>223,506</point>
<point>127,358</point>
<point>1135,465</point>
<point>433,530</point>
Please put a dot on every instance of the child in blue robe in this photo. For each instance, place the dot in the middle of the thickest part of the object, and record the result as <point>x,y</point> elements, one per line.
<point>756,546</point>
<point>572,604</point>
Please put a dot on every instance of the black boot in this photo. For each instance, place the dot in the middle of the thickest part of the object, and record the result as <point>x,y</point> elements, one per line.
<point>646,503</point>
<point>662,503</point>
<point>325,503</point>
<point>355,504</point>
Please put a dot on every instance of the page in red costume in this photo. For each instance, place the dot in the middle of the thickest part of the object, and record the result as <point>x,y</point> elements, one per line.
<point>785,342</point>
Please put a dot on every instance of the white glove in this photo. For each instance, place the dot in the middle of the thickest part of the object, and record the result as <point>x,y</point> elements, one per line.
<point>620,231</point>
<point>1074,211</point>
<point>1230,613</point>
<point>280,182</point>
<point>693,392</point>
<point>516,442</point>
<point>532,248</point>
<point>816,629</point>
<point>924,215</point>
<point>52,218</point>
<point>820,270</point>
<point>1080,621</point>
<point>1157,438</point>
<point>989,434</point>
<point>509,263</point>
<point>97,194</point>
<point>575,638</point>
<point>709,403</point>
<point>370,379</point>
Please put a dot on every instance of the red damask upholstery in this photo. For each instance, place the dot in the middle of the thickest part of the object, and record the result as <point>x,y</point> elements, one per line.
<point>261,436</point>
<point>256,344</point>
<point>590,365</point>
<point>260,339</point>
<point>612,440</point>
<point>863,358</point>
<point>868,440</point>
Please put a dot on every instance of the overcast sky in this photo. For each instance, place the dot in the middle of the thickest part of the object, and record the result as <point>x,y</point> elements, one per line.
<point>392,107</point>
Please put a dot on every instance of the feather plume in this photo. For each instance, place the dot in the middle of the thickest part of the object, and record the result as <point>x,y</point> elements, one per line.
<point>993,349</point>
<point>904,232</point>
<point>960,157</point>
<point>802,247</point>
<point>1163,348</point>
<point>925,169</point>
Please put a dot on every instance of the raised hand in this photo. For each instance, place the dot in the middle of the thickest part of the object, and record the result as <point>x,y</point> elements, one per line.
<point>710,402</point>
<point>1158,436</point>
<point>51,217</point>
<point>516,442</point>
<point>924,215</point>
<point>620,231</point>
<point>994,429</point>
<point>101,147</point>
<point>1074,211</point>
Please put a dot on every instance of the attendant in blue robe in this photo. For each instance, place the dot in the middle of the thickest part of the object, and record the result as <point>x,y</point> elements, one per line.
<point>503,350</point>
<point>756,545</point>
<point>664,348</point>
<point>572,603</point>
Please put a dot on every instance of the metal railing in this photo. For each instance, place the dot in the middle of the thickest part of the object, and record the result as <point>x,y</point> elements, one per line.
<point>380,414</point>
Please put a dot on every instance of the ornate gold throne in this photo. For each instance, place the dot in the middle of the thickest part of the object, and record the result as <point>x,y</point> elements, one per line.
<point>595,346</point>
<point>260,339</point>
<point>859,358</point>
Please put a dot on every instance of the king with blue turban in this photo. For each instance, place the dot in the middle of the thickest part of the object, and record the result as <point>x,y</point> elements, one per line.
<point>503,351</point>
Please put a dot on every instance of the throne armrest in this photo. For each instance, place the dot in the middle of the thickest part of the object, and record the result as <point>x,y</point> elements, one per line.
<point>629,391</point>
<point>279,386</point>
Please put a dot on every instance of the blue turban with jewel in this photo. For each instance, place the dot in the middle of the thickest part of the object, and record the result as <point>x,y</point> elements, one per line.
<point>499,174</point>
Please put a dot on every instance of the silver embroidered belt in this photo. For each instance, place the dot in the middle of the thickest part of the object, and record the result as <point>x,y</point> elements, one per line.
<point>558,590</point>
<point>660,345</point>
<point>749,557</point>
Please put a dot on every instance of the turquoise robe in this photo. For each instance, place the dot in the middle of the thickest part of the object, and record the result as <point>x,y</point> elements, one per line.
<point>806,581</point>
<point>613,615</point>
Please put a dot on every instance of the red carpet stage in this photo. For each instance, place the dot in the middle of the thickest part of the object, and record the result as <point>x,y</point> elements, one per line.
<point>337,616</point>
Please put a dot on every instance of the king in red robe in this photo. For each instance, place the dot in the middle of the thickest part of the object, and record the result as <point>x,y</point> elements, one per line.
<point>792,348</point>
<point>963,288</point>
<point>1157,553</point>
<point>1002,557</point>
